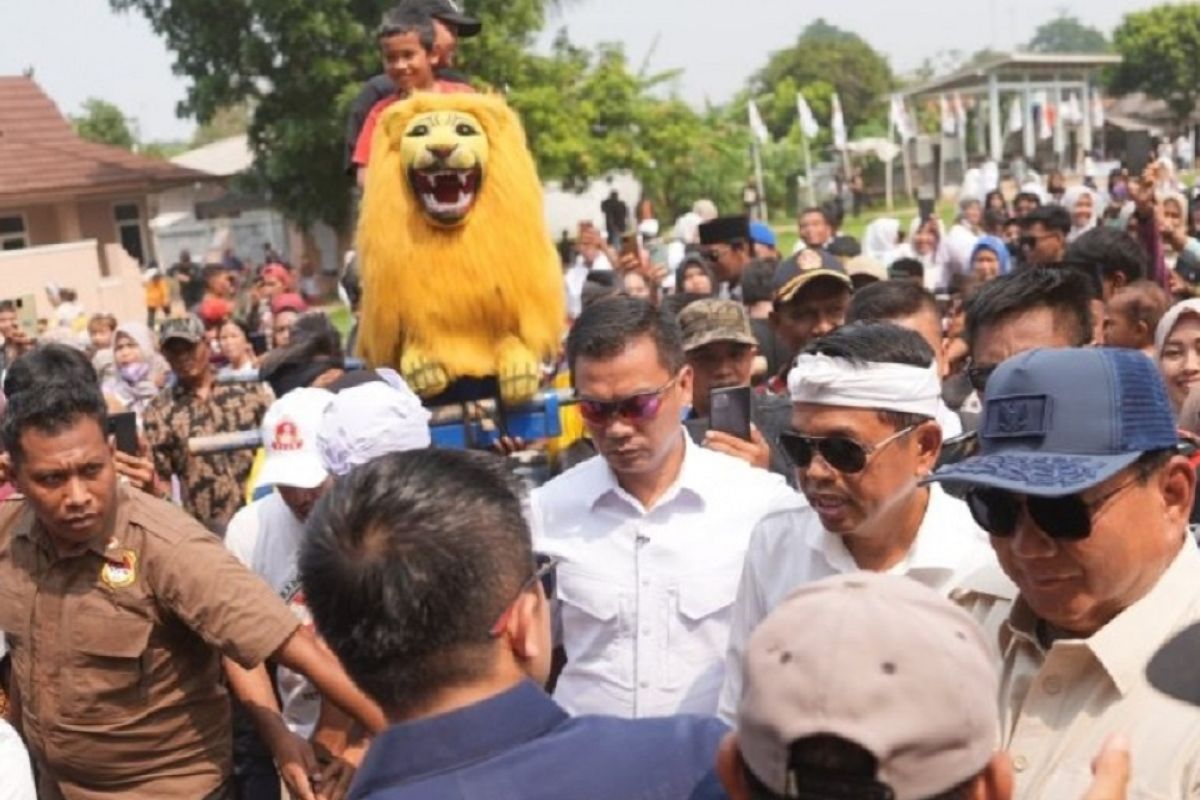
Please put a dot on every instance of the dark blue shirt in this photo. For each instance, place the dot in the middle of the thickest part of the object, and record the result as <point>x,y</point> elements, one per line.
<point>520,745</point>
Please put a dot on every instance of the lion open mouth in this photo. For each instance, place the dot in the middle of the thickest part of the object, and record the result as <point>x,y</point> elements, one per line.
<point>446,194</point>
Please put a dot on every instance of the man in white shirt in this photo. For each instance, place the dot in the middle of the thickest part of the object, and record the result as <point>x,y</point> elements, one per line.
<point>865,398</point>
<point>651,534</point>
<point>312,436</point>
<point>266,535</point>
<point>591,258</point>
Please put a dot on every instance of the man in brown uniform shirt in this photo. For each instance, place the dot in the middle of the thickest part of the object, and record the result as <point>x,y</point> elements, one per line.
<point>117,608</point>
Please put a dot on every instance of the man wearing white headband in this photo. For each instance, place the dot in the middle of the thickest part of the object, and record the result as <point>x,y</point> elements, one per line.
<point>864,401</point>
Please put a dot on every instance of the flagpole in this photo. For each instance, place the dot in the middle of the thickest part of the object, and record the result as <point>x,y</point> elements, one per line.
<point>812,195</point>
<point>758,179</point>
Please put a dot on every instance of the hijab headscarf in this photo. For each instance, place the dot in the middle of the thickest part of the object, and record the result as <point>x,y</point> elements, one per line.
<point>935,261</point>
<point>998,247</point>
<point>881,239</point>
<point>1170,320</point>
<point>1070,199</point>
<point>135,392</point>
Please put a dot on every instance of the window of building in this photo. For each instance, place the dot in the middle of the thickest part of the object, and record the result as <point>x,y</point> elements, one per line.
<point>129,229</point>
<point>12,233</point>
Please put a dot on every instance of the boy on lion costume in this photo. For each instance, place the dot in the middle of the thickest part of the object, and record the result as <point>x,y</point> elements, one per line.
<point>459,276</point>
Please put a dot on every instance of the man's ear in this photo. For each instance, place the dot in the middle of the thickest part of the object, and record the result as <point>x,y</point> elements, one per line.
<point>523,627</point>
<point>928,436</point>
<point>731,768</point>
<point>1178,486</point>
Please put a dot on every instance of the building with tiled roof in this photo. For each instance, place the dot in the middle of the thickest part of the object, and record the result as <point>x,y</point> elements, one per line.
<point>58,190</point>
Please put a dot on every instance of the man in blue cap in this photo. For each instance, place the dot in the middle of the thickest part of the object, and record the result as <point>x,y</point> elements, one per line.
<point>766,246</point>
<point>1081,486</point>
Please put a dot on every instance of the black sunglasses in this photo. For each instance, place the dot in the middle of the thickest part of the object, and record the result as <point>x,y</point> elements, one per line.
<point>840,452</point>
<point>978,374</point>
<point>1068,517</point>
<point>544,570</point>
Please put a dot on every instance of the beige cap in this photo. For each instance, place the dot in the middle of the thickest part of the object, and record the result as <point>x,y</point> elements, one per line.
<point>881,661</point>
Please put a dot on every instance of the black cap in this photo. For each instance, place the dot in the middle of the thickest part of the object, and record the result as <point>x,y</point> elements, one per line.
<point>725,229</point>
<point>451,12</point>
<point>806,266</point>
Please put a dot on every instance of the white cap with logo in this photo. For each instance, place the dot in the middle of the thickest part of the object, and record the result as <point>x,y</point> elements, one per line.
<point>289,435</point>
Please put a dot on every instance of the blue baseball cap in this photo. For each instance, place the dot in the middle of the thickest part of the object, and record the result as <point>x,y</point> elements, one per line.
<point>761,233</point>
<point>1057,422</point>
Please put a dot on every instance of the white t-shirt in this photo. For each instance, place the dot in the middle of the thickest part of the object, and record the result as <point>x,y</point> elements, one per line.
<point>266,537</point>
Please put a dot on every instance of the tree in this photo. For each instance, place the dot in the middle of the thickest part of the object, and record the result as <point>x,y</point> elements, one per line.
<point>298,64</point>
<point>1160,50</point>
<point>840,59</point>
<point>103,122</point>
<point>1066,34</point>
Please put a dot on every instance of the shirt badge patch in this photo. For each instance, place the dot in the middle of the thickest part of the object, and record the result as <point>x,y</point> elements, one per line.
<point>120,570</point>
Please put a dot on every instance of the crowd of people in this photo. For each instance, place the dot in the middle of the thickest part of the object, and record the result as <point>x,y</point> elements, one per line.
<point>903,518</point>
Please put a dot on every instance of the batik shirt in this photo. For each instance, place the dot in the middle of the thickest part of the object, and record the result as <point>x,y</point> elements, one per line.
<point>213,483</point>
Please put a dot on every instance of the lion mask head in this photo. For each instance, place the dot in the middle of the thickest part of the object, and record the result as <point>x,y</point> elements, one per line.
<point>445,154</point>
<point>453,246</point>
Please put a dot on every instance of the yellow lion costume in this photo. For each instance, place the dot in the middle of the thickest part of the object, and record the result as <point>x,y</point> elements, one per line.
<point>460,277</point>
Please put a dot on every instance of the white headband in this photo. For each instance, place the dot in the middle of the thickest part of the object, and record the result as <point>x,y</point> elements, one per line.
<point>829,381</point>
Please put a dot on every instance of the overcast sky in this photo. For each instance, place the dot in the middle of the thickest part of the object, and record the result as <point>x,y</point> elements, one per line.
<point>80,49</point>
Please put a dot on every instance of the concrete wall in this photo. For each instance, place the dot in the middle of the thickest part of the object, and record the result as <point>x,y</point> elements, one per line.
<point>76,265</point>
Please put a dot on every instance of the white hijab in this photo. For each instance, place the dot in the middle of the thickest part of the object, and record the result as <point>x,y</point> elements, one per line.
<point>881,239</point>
<point>1070,199</point>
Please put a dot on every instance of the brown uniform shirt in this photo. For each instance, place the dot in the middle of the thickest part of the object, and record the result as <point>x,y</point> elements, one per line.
<point>214,483</point>
<point>116,652</point>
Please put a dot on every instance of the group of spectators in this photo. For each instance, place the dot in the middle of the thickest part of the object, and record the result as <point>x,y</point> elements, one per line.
<point>842,601</point>
<point>949,556</point>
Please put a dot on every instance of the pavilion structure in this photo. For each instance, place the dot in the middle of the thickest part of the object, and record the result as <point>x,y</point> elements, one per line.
<point>1024,77</point>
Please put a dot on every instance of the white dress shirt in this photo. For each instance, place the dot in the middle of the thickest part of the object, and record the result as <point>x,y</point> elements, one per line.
<point>792,548</point>
<point>266,537</point>
<point>644,595</point>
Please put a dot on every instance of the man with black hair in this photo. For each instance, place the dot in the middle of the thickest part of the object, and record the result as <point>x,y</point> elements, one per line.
<point>815,228</point>
<point>407,43</point>
<point>863,433</point>
<point>651,533</point>
<point>1025,203</point>
<point>1109,257</point>
<point>758,293</point>
<point>1044,235</point>
<point>213,483</point>
<point>726,245</point>
<point>420,573</point>
<point>449,24</point>
<point>64,363</point>
<point>915,308</point>
<point>117,608</point>
<point>1018,312</point>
